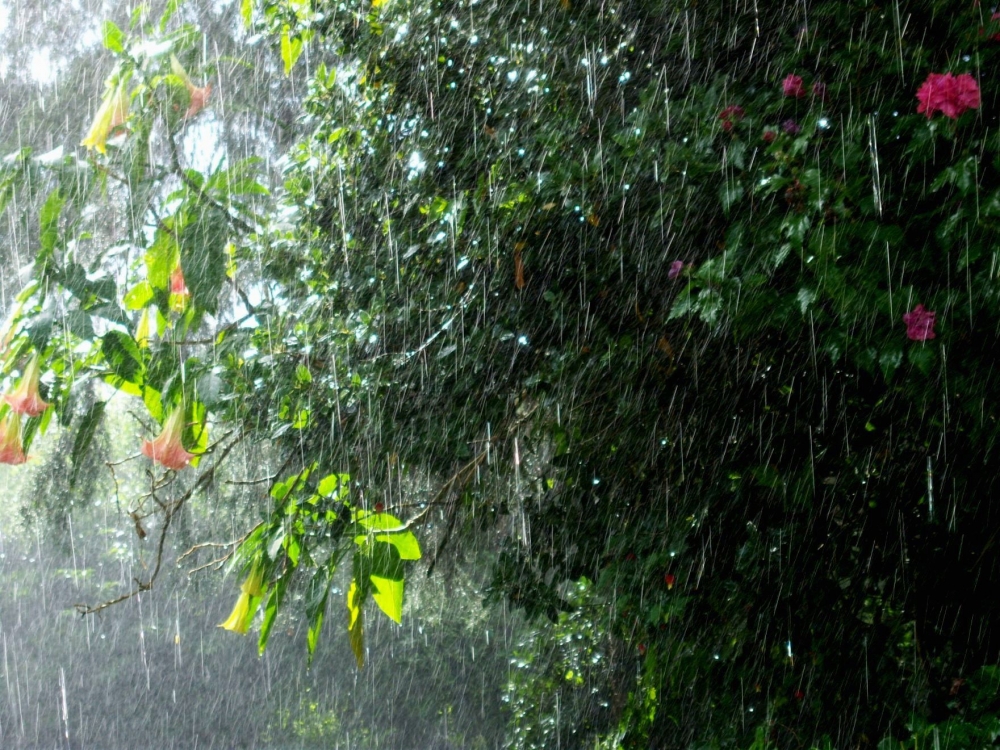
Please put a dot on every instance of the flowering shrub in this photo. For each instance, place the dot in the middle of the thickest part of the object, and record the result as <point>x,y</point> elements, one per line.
<point>920,324</point>
<point>948,94</point>
<point>793,86</point>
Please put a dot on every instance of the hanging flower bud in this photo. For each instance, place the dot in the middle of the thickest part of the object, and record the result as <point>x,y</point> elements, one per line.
<point>199,96</point>
<point>111,114</point>
<point>179,294</point>
<point>11,450</point>
<point>168,448</point>
<point>26,399</point>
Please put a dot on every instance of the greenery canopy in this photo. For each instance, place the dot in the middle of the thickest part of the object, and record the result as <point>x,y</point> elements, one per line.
<point>685,305</point>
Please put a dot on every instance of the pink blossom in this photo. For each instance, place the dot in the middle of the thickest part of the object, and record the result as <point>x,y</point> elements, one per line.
<point>675,269</point>
<point>819,90</point>
<point>920,324</point>
<point>199,98</point>
<point>730,116</point>
<point>168,448</point>
<point>948,94</point>
<point>26,399</point>
<point>11,450</point>
<point>793,86</point>
<point>791,127</point>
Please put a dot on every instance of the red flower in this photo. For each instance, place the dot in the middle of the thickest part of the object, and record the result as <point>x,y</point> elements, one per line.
<point>642,649</point>
<point>26,399</point>
<point>920,324</point>
<point>730,116</point>
<point>951,95</point>
<point>11,451</point>
<point>793,86</point>
<point>670,580</point>
<point>167,448</point>
<point>769,136</point>
<point>179,294</point>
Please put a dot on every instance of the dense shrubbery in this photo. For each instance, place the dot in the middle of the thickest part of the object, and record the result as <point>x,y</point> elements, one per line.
<point>695,302</point>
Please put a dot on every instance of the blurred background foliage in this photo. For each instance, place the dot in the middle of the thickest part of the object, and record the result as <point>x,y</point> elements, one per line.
<point>591,296</point>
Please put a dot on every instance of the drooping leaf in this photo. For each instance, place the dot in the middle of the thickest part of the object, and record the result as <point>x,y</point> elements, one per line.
<point>84,437</point>
<point>291,48</point>
<point>355,622</point>
<point>122,356</point>
<point>113,37</point>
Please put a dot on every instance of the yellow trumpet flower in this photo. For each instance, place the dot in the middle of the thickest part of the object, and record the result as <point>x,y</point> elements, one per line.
<point>111,114</point>
<point>253,586</point>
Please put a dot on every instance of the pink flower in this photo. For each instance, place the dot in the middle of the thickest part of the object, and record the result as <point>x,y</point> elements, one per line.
<point>769,136</point>
<point>730,116</point>
<point>819,90</point>
<point>793,86</point>
<point>948,94</point>
<point>791,127</point>
<point>26,399</point>
<point>920,324</point>
<point>179,294</point>
<point>167,448</point>
<point>199,98</point>
<point>675,269</point>
<point>11,451</point>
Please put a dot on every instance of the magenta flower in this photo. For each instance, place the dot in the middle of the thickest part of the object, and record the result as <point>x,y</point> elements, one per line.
<point>819,90</point>
<point>675,269</point>
<point>730,116</point>
<point>793,86</point>
<point>948,94</point>
<point>791,127</point>
<point>920,324</point>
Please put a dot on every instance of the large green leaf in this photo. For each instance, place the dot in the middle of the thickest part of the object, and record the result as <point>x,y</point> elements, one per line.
<point>84,437</point>
<point>203,258</point>
<point>122,356</point>
<point>388,595</point>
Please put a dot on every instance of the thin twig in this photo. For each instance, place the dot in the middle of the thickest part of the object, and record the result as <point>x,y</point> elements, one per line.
<point>169,511</point>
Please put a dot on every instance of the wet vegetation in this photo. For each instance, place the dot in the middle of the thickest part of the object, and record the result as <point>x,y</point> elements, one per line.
<point>664,328</point>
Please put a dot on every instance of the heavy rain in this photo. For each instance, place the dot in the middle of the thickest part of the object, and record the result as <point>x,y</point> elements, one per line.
<point>481,374</point>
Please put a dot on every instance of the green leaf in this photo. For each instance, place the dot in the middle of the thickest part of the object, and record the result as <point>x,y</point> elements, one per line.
<point>48,219</point>
<point>388,595</point>
<point>274,600</point>
<point>122,356</point>
<point>355,622</point>
<point>114,39</point>
<point>316,596</point>
<point>246,12</point>
<point>404,541</point>
<point>203,258</point>
<point>291,48</point>
<point>161,258</point>
<point>79,324</point>
<point>139,296</point>
<point>84,437</point>
<point>334,485</point>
